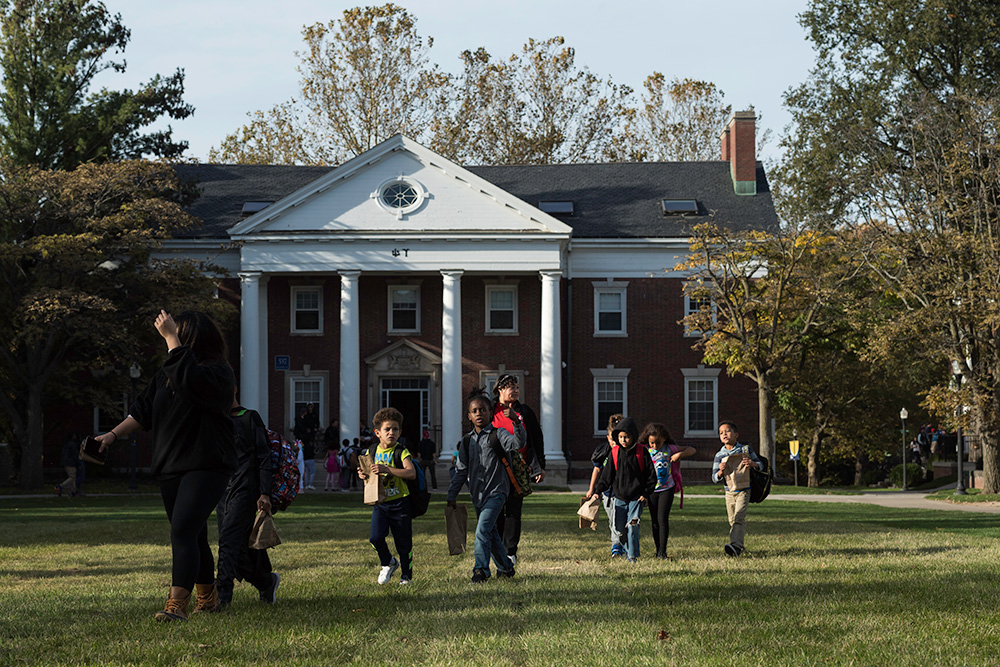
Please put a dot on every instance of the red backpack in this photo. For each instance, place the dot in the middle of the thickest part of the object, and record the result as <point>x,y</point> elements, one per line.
<point>640,449</point>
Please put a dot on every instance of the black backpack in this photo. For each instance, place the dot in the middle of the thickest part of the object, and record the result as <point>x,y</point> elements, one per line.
<point>760,482</point>
<point>419,496</point>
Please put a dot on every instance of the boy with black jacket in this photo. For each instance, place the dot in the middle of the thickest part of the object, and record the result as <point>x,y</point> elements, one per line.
<point>630,474</point>
<point>249,490</point>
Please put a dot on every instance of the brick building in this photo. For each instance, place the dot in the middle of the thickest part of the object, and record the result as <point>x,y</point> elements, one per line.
<point>400,278</point>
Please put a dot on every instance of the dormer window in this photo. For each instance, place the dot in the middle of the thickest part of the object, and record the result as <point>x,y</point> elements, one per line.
<point>680,207</point>
<point>251,207</point>
<point>556,207</point>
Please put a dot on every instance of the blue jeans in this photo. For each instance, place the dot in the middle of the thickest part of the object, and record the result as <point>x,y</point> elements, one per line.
<point>627,515</point>
<point>488,540</point>
<point>608,501</point>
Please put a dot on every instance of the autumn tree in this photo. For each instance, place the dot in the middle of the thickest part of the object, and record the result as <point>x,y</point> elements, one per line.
<point>896,137</point>
<point>534,107</point>
<point>762,294</point>
<point>50,53</point>
<point>675,121</point>
<point>78,281</point>
<point>364,78</point>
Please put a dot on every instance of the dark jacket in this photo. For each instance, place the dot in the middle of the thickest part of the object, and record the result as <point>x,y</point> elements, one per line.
<point>253,456</point>
<point>187,408</point>
<point>630,478</point>
<point>534,448</point>
<point>479,465</point>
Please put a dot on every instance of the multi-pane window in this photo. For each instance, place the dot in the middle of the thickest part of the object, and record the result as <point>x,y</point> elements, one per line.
<point>610,400</point>
<point>694,306</point>
<point>404,308</point>
<point>307,310</point>
<point>701,401</point>
<point>501,309</point>
<point>307,390</point>
<point>609,311</point>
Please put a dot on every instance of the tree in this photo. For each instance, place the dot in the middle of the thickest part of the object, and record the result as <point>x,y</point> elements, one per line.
<point>76,279</point>
<point>763,295</point>
<point>535,107</point>
<point>678,121</point>
<point>364,79</point>
<point>50,52</point>
<point>898,137</point>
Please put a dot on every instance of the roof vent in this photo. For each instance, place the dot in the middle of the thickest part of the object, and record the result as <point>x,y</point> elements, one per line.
<point>680,207</point>
<point>251,207</point>
<point>556,207</point>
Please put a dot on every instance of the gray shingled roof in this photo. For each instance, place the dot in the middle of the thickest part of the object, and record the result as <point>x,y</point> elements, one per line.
<point>621,200</point>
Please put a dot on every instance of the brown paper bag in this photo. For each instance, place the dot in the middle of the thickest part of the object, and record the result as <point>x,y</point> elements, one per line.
<point>456,523</point>
<point>736,479</point>
<point>374,488</point>
<point>588,511</point>
<point>264,535</point>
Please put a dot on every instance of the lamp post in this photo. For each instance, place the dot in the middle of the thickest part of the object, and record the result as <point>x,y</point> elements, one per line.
<point>903,414</point>
<point>133,372</point>
<point>956,369</point>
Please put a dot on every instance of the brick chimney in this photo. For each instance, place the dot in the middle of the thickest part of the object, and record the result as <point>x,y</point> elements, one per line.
<point>738,142</point>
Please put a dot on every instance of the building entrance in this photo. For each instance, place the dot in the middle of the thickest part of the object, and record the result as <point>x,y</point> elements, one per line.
<point>411,396</point>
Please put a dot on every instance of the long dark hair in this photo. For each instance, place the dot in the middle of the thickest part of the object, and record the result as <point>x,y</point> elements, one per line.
<point>200,332</point>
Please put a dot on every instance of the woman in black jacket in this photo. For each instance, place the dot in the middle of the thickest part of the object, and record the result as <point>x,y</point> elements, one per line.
<point>187,408</point>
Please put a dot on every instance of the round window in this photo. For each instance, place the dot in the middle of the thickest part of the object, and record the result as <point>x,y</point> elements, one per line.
<point>400,195</point>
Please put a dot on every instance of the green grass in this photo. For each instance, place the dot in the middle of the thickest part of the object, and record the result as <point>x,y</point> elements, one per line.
<point>822,584</point>
<point>971,496</point>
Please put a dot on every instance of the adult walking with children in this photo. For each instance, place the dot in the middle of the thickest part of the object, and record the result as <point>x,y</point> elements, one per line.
<point>187,408</point>
<point>532,451</point>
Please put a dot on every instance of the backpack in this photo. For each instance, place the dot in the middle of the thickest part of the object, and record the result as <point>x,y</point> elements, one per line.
<point>516,467</point>
<point>285,476</point>
<point>760,482</point>
<point>675,472</point>
<point>639,449</point>
<point>419,496</point>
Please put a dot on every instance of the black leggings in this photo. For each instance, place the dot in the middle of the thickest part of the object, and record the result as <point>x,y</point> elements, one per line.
<point>189,500</point>
<point>659,513</point>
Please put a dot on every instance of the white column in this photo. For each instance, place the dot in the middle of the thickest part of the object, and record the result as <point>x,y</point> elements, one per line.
<point>451,360</point>
<point>251,380</point>
<point>350,356</point>
<point>550,410</point>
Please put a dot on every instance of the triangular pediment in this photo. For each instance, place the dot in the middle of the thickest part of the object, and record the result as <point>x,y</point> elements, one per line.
<point>404,355</point>
<point>400,188</point>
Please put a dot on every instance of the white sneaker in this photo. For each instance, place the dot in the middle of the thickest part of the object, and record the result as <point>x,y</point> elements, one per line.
<point>513,560</point>
<point>386,574</point>
<point>404,582</point>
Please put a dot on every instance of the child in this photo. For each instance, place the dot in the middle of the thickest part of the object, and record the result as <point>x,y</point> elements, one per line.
<point>489,484</point>
<point>630,474</point>
<point>332,469</point>
<point>249,490</point>
<point>733,458</point>
<point>344,460</point>
<point>599,458</point>
<point>392,514</point>
<point>665,454</point>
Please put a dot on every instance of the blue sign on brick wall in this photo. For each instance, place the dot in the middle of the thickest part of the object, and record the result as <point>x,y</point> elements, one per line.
<point>282,362</point>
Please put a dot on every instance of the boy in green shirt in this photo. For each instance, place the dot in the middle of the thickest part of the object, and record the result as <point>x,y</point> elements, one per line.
<point>392,514</point>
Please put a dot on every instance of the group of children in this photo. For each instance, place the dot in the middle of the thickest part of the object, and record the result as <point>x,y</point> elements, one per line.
<point>635,469</point>
<point>631,470</point>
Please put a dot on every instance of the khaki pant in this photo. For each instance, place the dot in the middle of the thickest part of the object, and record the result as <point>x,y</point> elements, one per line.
<point>736,507</point>
<point>69,484</point>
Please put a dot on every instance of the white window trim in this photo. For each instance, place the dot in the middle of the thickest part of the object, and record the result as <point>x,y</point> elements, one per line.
<point>607,287</point>
<point>608,373</point>
<point>389,292</point>
<point>295,289</point>
<point>324,383</point>
<point>501,332</point>
<point>694,333</point>
<point>701,373</point>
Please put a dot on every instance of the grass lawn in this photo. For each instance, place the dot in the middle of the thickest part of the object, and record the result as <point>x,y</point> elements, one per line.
<point>823,583</point>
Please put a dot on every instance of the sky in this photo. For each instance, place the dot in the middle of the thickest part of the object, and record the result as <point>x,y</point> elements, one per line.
<point>240,57</point>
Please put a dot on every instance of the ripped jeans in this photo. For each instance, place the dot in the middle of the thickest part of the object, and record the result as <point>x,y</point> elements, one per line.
<point>627,514</point>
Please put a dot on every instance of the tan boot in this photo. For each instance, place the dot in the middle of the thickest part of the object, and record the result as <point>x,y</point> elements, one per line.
<point>177,605</point>
<point>206,599</point>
